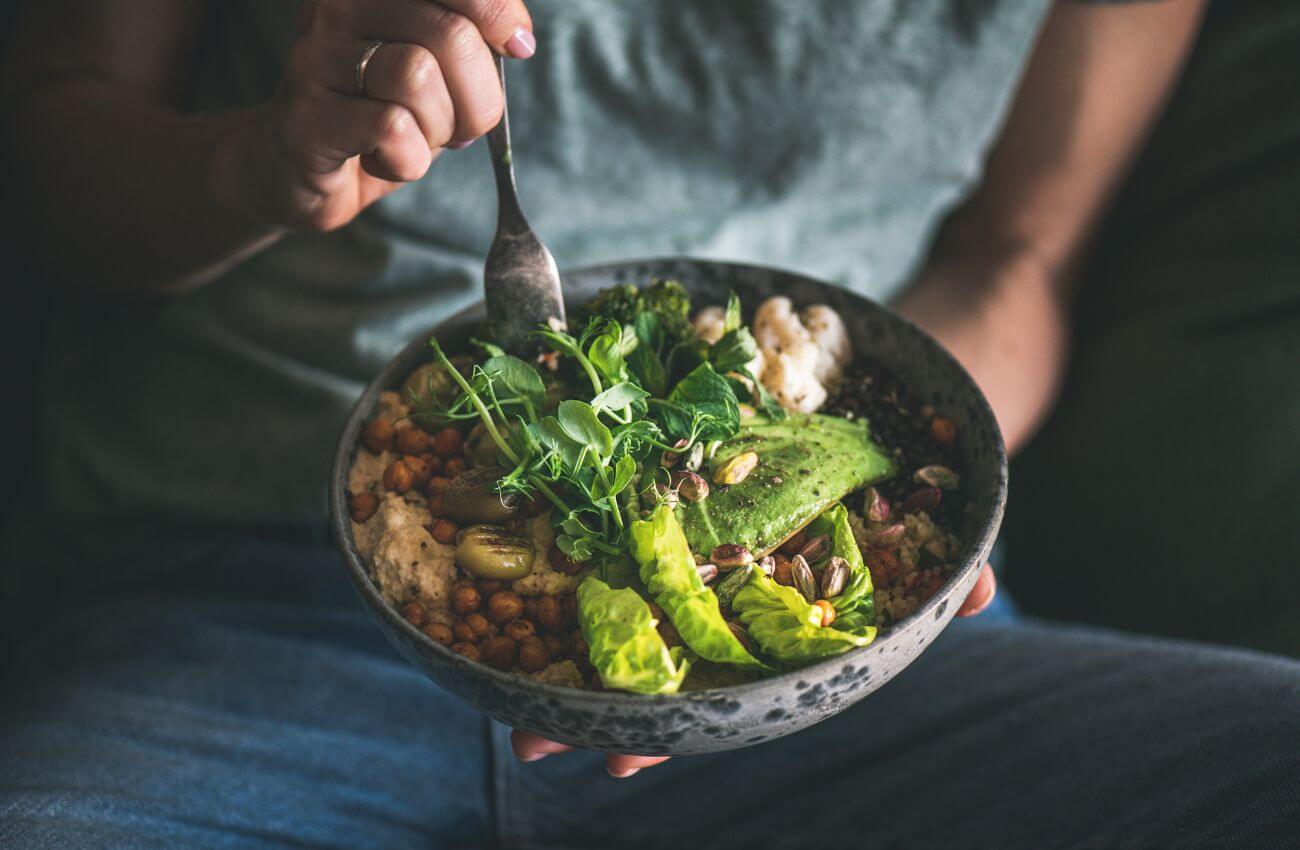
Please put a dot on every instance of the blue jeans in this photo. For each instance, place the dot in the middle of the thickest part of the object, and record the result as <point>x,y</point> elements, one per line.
<point>262,709</point>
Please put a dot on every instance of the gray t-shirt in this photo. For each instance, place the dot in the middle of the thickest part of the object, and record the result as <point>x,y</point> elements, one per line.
<point>827,136</point>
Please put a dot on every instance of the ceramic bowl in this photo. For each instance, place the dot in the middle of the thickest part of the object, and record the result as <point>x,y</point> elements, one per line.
<point>738,716</point>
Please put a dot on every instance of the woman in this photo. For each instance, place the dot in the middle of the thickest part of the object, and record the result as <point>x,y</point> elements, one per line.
<point>268,199</point>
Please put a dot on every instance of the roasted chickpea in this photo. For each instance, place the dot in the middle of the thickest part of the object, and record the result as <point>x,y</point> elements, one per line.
<point>436,506</point>
<point>943,430</point>
<point>556,646</point>
<point>398,477</point>
<point>533,656</point>
<point>448,443</point>
<point>414,613</point>
<point>655,610</point>
<point>433,461</point>
<point>488,586</point>
<point>500,652</point>
<point>437,484</point>
<point>453,467</point>
<point>504,606</point>
<point>439,633</point>
<point>465,600</point>
<point>530,608</point>
<point>827,609</point>
<point>550,613</point>
<point>420,472</point>
<point>578,645</point>
<point>519,629</point>
<point>378,436</point>
<point>444,531</point>
<point>413,441</point>
<point>482,628</point>
<point>569,604</point>
<point>468,650</point>
<point>362,506</point>
<point>563,562</point>
<point>463,632</point>
<point>464,581</point>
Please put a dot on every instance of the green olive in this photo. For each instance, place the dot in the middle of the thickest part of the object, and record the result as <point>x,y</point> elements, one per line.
<point>491,552</point>
<point>480,448</point>
<point>471,497</point>
<point>427,383</point>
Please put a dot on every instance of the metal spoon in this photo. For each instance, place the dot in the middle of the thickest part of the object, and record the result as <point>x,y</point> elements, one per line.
<point>521,283</point>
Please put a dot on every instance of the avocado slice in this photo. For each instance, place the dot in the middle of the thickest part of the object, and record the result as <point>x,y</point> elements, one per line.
<point>806,463</point>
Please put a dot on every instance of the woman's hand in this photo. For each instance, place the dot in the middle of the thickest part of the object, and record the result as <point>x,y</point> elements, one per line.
<point>530,747</point>
<point>323,150</point>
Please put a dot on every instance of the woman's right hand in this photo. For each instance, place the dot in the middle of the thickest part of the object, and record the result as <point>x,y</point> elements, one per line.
<point>321,152</point>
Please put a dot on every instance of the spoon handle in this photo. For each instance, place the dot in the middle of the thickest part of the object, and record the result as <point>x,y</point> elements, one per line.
<point>510,216</point>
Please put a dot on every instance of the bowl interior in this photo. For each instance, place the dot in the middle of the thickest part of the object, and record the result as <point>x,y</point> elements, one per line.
<point>917,360</point>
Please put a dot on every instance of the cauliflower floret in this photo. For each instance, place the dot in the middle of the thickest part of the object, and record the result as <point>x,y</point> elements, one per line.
<point>710,325</point>
<point>835,351</point>
<point>562,673</point>
<point>804,355</point>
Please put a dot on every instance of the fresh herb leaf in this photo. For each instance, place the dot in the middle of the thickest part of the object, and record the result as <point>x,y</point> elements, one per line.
<point>712,403</point>
<point>580,423</point>
<point>519,378</point>
<point>731,320</point>
<point>618,397</point>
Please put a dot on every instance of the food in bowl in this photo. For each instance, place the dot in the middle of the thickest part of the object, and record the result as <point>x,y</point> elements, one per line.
<point>660,502</point>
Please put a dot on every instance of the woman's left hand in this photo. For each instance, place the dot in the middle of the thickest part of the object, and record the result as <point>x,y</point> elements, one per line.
<point>530,747</point>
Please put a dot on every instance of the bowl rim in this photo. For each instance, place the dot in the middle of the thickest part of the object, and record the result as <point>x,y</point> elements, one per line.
<point>340,520</point>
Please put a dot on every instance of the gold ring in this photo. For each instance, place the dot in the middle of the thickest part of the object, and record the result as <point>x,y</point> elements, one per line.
<point>359,73</point>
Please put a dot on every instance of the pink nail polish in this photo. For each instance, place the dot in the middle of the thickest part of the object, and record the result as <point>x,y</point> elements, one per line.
<point>625,774</point>
<point>522,44</point>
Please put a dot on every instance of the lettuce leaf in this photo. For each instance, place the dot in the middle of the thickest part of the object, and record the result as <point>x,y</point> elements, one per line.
<point>787,627</point>
<point>626,649</point>
<point>668,570</point>
<point>855,609</point>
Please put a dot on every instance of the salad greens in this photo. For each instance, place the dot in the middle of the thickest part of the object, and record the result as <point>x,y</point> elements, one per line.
<point>626,649</point>
<point>596,429</point>
<point>855,604</point>
<point>668,570</point>
<point>787,627</point>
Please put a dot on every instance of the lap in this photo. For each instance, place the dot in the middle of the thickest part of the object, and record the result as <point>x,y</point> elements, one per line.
<point>176,720</point>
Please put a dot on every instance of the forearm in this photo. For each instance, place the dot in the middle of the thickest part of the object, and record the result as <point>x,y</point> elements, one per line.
<point>123,194</point>
<point>1002,316</point>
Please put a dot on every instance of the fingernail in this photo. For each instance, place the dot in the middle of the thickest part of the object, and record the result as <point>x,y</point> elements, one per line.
<point>534,757</point>
<point>522,44</point>
<point>460,146</point>
<point>626,773</point>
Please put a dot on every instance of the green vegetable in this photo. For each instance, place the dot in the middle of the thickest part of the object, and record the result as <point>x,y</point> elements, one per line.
<point>855,608</point>
<point>788,627</point>
<point>625,648</point>
<point>702,406</point>
<point>805,464</point>
<point>668,570</point>
<point>668,300</point>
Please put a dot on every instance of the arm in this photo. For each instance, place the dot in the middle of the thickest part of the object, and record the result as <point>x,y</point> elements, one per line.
<point>995,288</point>
<point>124,191</point>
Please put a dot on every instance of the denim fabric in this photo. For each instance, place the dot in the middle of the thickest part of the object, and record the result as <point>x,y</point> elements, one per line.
<point>256,717</point>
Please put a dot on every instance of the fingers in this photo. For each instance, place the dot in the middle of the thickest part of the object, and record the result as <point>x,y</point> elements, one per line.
<point>401,73</point>
<point>530,747</point>
<point>505,24</point>
<point>325,129</point>
<point>461,50</point>
<point>621,767</point>
<point>986,587</point>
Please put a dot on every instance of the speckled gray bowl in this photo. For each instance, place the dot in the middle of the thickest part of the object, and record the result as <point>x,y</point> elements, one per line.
<point>726,718</point>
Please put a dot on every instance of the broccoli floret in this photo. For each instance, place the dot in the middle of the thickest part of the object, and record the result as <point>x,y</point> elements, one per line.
<point>667,299</point>
<point>619,303</point>
<point>672,303</point>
